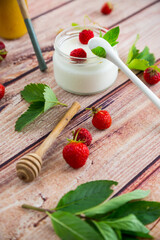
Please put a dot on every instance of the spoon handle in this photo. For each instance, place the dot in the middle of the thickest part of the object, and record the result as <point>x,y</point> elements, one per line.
<point>113,57</point>
<point>137,81</point>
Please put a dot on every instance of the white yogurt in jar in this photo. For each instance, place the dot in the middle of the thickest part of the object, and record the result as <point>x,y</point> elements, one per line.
<point>88,77</point>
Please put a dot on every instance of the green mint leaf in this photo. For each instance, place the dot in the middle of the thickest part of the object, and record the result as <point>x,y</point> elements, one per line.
<point>133,51</point>
<point>85,196</point>
<point>114,43</point>
<point>135,234</point>
<point>68,226</point>
<point>99,51</point>
<point>147,212</point>
<point>34,110</point>
<point>116,202</point>
<point>155,68</point>
<point>50,98</point>
<point>100,34</point>
<point>33,92</point>
<point>130,223</point>
<point>145,54</point>
<point>112,35</point>
<point>74,24</point>
<point>106,231</point>
<point>138,64</point>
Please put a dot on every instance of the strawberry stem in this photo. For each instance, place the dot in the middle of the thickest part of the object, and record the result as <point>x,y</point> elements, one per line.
<point>58,103</point>
<point>77,134</point>
<point>62,104</point>
<point>75,139</point>
<point>94,110</point>
<point>3,52</point>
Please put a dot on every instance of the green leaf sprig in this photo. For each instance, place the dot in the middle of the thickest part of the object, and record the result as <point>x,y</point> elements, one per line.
<point>139,60</point>
<point>85,213</point>
<point>111,37</point>
<point>41,98</point>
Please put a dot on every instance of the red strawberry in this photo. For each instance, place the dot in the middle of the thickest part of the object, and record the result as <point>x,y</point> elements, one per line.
<point>107,8</point>
<point>85,36</point>
<point>75,154</point>
<point>2,91</point>
<point>78,53</point>
<point>3,51</point>
<point>101,118</point>
<point>84,135</point>
<point>151,76</point>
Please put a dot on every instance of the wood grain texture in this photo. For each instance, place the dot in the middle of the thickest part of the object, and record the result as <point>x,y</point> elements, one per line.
<point>127,152</point>
<point>48,78</point>
<point>23,58</point>
<point>39,8</point>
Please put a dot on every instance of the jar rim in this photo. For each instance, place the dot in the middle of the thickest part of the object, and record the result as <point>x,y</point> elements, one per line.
<point>77,30</point>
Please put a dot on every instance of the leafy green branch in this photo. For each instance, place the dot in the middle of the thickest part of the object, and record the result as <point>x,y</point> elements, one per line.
<point>85,213</point>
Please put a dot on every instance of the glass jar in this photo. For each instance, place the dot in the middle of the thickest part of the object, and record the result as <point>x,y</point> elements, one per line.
<point>90,76</point>
<point>11,21</point>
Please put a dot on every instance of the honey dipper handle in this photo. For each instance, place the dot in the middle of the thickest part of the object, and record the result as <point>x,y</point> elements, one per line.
<point>58,129</point>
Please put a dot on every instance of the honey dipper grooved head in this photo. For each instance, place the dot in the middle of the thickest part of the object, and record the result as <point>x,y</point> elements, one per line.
<point>29,167</point>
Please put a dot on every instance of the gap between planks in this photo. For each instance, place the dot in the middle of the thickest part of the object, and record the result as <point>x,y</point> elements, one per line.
<point>53,9</point>
<point>39,141</point>
<point>101,101</point>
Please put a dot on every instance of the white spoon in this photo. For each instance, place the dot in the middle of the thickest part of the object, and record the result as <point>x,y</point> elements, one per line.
<point>111,56</point>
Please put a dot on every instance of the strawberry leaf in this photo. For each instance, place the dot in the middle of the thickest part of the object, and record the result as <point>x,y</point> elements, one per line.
<point>138,64</point>
<point>133,51</point>
<point>41,98</point>
<point>139,60</point>
<point>50,98</point>
<point>155,68</point>
<point>34,110</point>
<point>34,92</point>
<point>147,56</point>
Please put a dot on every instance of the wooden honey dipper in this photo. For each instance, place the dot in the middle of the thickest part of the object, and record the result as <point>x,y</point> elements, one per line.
<point>29,166</point>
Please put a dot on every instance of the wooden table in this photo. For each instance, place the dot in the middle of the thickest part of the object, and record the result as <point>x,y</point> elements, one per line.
<point>127,152</point>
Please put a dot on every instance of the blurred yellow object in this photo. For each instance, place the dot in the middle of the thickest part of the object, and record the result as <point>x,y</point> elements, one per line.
<point>11,21</point>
